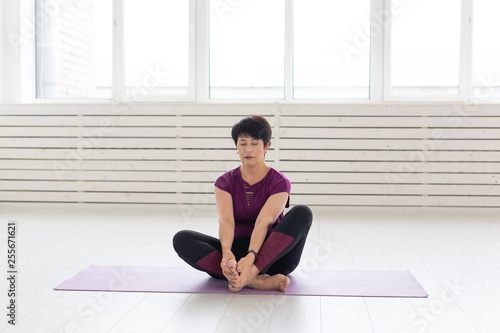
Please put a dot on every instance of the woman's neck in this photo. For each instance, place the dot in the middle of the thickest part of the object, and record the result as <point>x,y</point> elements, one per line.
<point>254,174</point>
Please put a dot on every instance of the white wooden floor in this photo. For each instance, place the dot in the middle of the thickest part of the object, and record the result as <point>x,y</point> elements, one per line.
<point>454,254</point>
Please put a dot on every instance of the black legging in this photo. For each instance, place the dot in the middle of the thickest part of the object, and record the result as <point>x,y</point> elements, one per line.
<point>280,252</point>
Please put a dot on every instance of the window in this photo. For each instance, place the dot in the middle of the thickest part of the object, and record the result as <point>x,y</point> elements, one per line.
<point>156,48</point>
<point>425,47</point>
<point>247,49</point>
<point>331,49</point>
<point>259,50</point>
<point>486,49</point>
<point>73,49</point>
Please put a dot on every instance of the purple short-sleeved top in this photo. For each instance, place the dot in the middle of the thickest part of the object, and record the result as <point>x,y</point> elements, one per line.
<point>249,200</point>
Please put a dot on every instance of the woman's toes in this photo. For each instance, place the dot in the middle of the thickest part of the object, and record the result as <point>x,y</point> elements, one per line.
<point>284,283</point>
<point>233,288</point>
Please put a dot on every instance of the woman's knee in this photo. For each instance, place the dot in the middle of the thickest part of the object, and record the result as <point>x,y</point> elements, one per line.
<point>296,222</point>
<point>302,212</point>
<point>180,239</point>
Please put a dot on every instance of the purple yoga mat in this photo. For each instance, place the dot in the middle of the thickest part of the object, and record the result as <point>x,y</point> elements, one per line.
<point>189,280</point>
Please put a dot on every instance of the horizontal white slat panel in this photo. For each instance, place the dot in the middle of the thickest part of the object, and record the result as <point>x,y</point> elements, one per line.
<point>333,154</point>
<point>396,200</point>
<point>230,154</point>
<point>99,186</point>
<point>129,109</point>
<point>209,143</point>
<point>202,133</point>
<point>396,178</point>
<point>270,109</point>
<point>119,165</point>
<point>392,189</point>
<point>104,197</point>
<point>141,132</point>
<point>295,177</point>
<point>330,200</point>
<point>117,121</point>
<point>393,121</point>
<point>149,176</point>
<point>355,121</point>
<point>437,110</point>
<point>126,154</point>
<point>390,144</point>
<point>152,143</point>
<point>390,133</point>
<point>207,187</point>
<point>368,155</point>
<point>447,167</point>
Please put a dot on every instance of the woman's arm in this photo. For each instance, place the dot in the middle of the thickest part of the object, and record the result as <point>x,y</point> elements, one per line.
<point>224,204</point>
<point>274,205</point>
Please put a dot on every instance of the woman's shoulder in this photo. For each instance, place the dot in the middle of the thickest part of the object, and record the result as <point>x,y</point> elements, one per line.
<point>278,177</point>
<point>227,179</point>
<point>275,174</point>
<point>231,174</point>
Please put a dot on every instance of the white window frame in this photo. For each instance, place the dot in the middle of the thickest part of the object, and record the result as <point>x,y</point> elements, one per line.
<point>22,79</point>
<point>376,60</point>
<point>377,52</point>
<point>118,94</point>
<point>202,51</point>
<point>465,60</point>
<point>289,28</point>
<point>118,88</point>
<point>1,51</point>
<point>18,51</point>
<point>204,95</point>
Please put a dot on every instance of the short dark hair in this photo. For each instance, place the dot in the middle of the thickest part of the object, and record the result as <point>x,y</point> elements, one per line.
<point>253,126</point>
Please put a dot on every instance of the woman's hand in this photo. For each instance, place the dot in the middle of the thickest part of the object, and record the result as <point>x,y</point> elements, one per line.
<point>228,268</point>
<point>246,271</point>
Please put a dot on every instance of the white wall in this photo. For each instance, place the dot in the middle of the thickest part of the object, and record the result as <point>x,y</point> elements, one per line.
<point>335,155</point>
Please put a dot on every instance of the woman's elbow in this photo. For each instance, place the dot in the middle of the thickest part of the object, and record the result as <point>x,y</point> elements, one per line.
<point>225,222</point>
<point>264,223</point>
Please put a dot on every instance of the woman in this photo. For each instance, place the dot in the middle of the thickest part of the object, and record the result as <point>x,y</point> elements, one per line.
<point>258,246</point>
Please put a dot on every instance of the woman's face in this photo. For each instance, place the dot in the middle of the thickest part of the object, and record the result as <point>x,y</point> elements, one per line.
<point>251,150</point>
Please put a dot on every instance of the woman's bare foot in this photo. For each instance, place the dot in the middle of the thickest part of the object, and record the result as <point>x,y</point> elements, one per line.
<point>232,288</point>
<point>277,282</point>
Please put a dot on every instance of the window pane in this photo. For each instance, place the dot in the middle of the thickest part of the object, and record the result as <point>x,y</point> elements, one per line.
<point>73,49</point>
<point>425,47</point>
<point>247,45</point>
<point>486,49</point>
<point>156,38</point>
<point>332,49</point>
